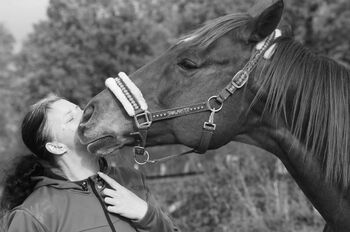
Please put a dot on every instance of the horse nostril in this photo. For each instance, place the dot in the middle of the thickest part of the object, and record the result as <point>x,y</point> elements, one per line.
<point>87,115</point>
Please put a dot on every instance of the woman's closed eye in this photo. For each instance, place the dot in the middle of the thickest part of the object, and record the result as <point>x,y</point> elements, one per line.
<point>71,115</point>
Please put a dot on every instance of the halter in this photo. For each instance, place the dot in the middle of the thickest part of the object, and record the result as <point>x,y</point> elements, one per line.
<point>135,105</point>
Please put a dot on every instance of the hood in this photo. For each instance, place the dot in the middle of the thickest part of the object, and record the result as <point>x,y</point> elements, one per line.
<point>55,178</point>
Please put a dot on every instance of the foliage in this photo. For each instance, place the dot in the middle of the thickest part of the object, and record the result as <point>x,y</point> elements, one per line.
<point>323,26</point>
<point>9,106</point>
<point>82,43</point>
<point>6,49</point>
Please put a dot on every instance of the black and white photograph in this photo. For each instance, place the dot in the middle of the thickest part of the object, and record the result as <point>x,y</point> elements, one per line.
<point>175,115</point>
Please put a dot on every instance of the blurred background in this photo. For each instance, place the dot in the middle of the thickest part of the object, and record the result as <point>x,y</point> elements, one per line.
<point>74,45</point>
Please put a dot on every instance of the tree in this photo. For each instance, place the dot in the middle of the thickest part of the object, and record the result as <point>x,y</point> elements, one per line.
<point>6,50</point>
<point>322,26</point>
<point>9,116</point>
<point>84,42</point>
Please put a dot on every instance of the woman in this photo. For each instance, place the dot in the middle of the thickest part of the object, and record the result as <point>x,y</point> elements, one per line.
<point>57,188</point>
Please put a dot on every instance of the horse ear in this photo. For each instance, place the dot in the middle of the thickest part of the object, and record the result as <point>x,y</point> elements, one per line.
<point>264,22</point>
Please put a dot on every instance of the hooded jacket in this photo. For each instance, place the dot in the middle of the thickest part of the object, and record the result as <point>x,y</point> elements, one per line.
<point>60,205</point>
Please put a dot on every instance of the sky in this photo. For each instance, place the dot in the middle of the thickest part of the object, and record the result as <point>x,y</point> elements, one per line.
<point>18,16</point>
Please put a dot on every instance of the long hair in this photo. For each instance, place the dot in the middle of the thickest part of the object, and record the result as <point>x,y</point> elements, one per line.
<point>312,93</point>
<point>18,184</point>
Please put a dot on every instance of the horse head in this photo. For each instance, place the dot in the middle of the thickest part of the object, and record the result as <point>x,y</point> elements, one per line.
<point>197,67</point>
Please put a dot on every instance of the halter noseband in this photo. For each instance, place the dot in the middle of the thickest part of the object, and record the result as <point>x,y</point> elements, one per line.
<point>135,105</point>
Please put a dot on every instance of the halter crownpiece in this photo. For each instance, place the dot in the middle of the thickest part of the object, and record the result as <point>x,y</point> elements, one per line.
<point>135,105</point>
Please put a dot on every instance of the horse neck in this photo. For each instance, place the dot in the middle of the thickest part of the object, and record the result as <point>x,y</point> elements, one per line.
<point>304,167</point>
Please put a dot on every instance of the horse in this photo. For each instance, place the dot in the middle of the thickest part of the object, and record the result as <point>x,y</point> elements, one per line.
<point>291,102</point>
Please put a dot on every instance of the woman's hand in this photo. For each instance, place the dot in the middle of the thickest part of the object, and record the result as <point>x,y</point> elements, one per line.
<point>122,201</point>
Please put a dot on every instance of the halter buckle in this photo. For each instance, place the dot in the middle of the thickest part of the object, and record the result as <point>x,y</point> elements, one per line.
<point>239,80</point>
<point>143,120</point>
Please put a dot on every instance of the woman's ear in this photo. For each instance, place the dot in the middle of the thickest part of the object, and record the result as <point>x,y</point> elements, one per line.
<point>265,20</point>
<point>56,148</point>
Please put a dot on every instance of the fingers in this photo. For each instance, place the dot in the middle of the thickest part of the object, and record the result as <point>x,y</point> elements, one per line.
<point>109,200</point>
<point>120,200</point>
<point>109,192</point>
<point>112,205</point>
<point>112,209</point>
<point>109,180</point>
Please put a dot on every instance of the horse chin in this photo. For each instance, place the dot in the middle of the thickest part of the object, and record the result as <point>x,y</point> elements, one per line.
<point>104,146</point>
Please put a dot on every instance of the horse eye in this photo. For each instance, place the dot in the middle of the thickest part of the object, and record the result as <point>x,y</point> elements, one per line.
<point>187,64</point>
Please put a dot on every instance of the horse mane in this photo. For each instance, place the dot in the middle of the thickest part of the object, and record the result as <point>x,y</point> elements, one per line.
<point>318,113</point>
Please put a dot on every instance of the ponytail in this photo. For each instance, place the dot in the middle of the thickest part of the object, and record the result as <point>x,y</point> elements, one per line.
<point>19,184</point>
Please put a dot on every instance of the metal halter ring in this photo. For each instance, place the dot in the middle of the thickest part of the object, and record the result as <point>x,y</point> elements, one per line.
<point>143,162</point>
<point>212,108</point>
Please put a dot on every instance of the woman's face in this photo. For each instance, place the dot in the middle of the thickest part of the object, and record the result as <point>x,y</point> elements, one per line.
<point>62,122</point>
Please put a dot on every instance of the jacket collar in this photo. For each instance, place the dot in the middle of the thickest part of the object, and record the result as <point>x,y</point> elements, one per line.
<point>55,178</point>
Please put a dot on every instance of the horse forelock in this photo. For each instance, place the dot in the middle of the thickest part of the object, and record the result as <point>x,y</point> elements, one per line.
<point>214,29</point>
<point>319,116</point>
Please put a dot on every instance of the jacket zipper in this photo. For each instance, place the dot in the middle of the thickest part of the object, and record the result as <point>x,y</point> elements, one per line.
<point>102,204</point>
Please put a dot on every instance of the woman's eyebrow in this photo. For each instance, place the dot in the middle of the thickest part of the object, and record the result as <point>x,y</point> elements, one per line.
<point>68,116</point>
<point>70,112</point>
<point>77,107</point>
